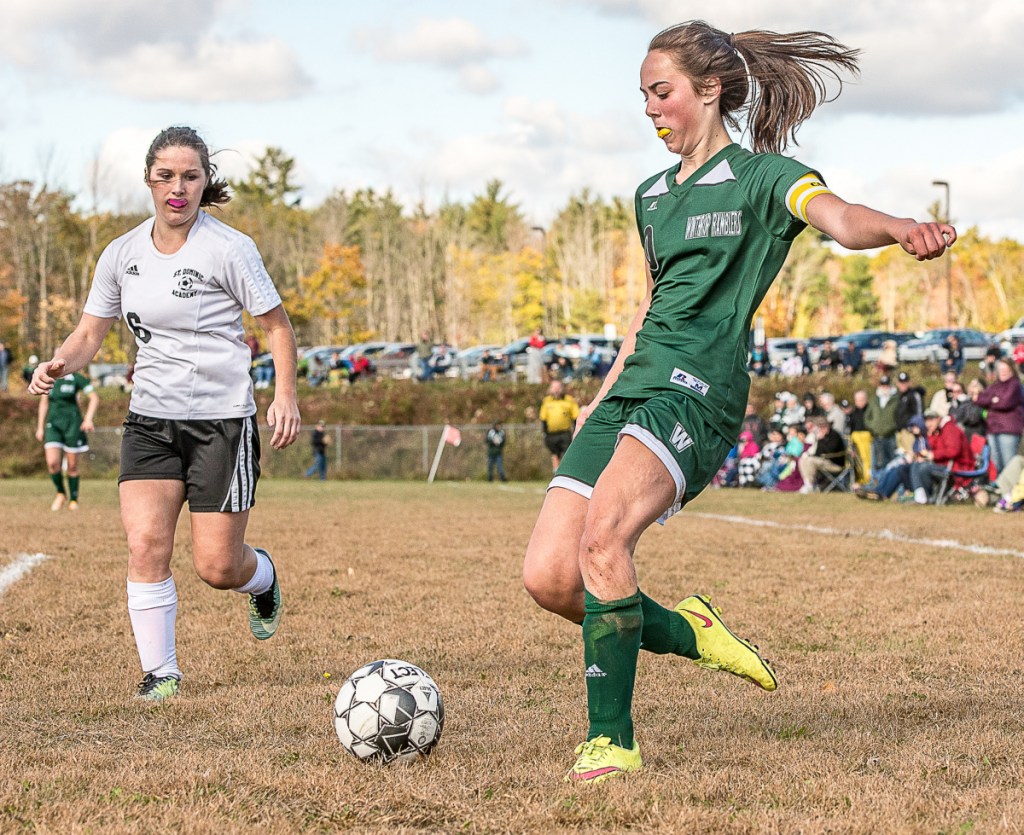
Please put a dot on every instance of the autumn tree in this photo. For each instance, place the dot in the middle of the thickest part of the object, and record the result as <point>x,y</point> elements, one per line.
<point>860,304</point>
<point>329,304</point>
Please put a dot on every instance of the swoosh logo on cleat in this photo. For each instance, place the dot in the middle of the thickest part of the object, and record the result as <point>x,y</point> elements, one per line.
<point>707,621</point>
<point>597,772</point>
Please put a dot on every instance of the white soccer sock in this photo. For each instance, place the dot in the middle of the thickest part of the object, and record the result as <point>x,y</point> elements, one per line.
<point>262,578</point>
<point>153,609</point>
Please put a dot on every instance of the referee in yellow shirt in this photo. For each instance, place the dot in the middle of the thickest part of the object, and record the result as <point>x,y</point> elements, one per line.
<point>558,413</point>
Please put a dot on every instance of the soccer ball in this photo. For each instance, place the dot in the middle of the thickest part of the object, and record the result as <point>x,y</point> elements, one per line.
<point>389,710</point>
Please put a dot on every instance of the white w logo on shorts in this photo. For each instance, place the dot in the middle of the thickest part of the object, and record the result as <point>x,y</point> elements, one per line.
<point>680,438</point>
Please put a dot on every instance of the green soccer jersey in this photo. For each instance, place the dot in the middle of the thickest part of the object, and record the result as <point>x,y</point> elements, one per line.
<point>64,395</point>
<point>714,244</point>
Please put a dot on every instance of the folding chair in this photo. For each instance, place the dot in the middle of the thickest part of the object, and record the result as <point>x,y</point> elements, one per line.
<point>846,479</point>
<point>979,475</point>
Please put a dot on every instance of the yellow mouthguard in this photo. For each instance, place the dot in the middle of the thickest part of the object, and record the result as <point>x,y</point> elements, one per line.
<point>663,132</point>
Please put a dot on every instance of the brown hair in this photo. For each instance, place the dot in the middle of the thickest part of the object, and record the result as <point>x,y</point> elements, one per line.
<point>777,79</point>
<point>216,191</point>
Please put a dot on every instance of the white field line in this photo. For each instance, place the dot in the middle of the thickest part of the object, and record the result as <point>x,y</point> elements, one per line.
<point>22,565</point>
<point>883,534</point>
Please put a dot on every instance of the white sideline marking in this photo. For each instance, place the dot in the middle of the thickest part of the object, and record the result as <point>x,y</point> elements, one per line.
<point>883,534</point>
<point>509,489</point>
<point>22,565</point>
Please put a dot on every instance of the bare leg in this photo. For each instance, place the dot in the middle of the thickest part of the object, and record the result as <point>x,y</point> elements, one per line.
<point>54,457</point>
<point>149,513</point>
<point>219,553</point>
<point>632,492</point>
<point>551,571</point>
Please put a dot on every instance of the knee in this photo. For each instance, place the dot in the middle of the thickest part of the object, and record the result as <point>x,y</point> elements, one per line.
<point>552,593</point>
<point>218,577</point>
<point>600,547</point>
<point>147,553</point>
<point>218,573</point>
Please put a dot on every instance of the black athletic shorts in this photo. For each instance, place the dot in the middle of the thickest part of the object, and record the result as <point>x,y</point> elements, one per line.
<point>558,442</point>
<point>219,460</point>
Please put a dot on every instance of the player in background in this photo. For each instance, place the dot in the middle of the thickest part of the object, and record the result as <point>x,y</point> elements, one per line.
<point>62,430</point>
<point>182,280</point>
<point>716,228</point>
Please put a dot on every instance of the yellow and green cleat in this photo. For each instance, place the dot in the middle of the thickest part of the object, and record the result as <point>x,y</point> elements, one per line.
<point>599,759</point>
<point>265,608</point>
<point>721,650</point>
<point>158,689</point>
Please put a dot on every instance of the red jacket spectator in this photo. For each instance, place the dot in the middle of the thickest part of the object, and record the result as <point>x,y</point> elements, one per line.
<point>949,443</point>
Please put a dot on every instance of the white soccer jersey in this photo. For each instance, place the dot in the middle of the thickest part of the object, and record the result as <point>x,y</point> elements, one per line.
<point>185,310</point>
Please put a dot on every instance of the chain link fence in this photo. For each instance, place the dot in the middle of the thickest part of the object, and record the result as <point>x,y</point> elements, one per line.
<point>375,452</point>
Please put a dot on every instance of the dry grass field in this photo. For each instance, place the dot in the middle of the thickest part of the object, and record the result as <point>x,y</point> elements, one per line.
<point>900,662</point>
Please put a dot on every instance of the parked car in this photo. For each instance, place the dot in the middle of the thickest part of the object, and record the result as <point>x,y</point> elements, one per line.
<point>368,349</point>
<point>109,374</point>
<point>395,360</point>
<point>780,349</point>
<point>870,342</point>
<point>931,347</point>
<point>1009,337</point>
<point>466,364</point>
<point>321,354</point>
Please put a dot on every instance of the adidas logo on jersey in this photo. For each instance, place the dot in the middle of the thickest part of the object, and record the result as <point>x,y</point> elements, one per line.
<point>593,671</point>
<point>653,206</point>
<point>132,270</point>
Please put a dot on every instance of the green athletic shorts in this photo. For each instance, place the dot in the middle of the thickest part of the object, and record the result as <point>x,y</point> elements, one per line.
<point>64,430</point>
<point>667,424</point>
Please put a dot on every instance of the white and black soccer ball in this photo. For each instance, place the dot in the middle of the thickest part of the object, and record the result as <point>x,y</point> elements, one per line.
<point>389,710</point>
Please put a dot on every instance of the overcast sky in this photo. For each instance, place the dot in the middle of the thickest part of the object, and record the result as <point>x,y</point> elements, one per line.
<point>433,98</point>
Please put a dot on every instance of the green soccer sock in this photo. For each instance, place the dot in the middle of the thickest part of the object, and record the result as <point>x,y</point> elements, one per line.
<point>73,487</point>
<point>611,644</point>
<point>666,632</point>
<point>58,482</point>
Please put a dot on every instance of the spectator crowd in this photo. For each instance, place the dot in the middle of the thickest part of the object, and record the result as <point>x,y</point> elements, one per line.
<point>894,441</point>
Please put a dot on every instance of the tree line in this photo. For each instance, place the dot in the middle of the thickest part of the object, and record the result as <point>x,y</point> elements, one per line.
<point>363,266</point>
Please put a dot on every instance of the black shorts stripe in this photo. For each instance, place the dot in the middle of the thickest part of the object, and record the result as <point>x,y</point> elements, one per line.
<point>218,460</point>
<point>243,486</point>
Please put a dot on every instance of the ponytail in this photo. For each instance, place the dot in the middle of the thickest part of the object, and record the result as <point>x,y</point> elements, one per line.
<point>776,79</point>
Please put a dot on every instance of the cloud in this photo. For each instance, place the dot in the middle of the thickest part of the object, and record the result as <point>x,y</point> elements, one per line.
<point>919,57</point>
<point>38,32</point>
<point>171,56</point>
<point>540,152</point>
<point>212,71</point>
<point>453,44</point>
<point>113,177</point>
<point>546,124</point>
<point>476,78</point>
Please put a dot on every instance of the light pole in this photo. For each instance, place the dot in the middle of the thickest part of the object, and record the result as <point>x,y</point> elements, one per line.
<point>543,278</point>
<point>949,259</point>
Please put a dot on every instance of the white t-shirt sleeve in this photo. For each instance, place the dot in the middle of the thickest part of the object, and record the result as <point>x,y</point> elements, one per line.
<point>104,299</point>
<point>247,280</point>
